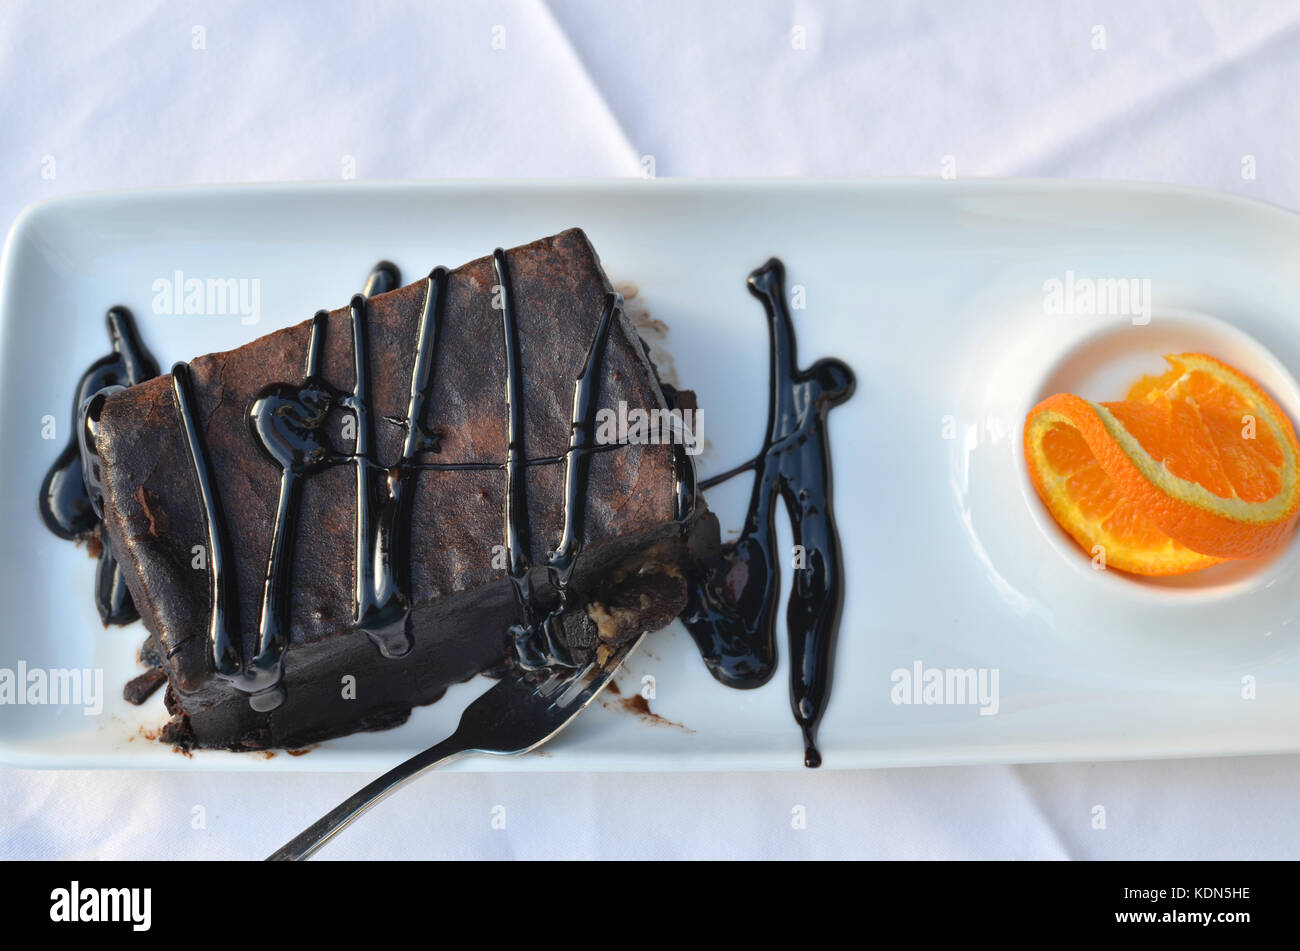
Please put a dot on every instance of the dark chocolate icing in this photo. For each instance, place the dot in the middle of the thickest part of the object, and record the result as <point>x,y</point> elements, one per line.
<point>538,640</point>
<point>732,610</point>
<point>285,421</point>
<point>383,606</point>
<point>226,658</point>
<point>71,492</point>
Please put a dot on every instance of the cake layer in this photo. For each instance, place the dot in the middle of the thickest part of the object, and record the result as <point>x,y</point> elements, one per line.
<point>461,592</point>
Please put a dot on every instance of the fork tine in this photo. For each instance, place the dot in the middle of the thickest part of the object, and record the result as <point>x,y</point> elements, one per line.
<point>553,683</point>
<point>580,683</point>
<point>580,693</point>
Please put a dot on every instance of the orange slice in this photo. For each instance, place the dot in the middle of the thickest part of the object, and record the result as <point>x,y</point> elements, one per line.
<point>1196,466</point>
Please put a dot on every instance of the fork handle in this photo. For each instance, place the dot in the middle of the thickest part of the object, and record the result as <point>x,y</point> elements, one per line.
<point>319,832</point>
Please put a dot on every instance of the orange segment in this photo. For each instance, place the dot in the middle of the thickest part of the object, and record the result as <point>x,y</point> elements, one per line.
<point>1197,465</point>
<point>1090,507</point>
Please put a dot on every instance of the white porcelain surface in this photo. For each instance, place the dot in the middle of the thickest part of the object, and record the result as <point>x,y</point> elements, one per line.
<point>931,291</point>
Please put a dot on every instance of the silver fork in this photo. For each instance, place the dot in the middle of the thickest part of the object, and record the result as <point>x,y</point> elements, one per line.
<point>517,715</point>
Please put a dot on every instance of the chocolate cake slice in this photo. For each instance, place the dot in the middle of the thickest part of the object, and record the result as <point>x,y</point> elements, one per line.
<point>333,523</point>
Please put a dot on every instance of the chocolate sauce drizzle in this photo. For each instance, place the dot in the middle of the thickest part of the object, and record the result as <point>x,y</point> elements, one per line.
<point>285,420</point>
<point>227,661</point>
<point>383,553</point>
<point>732,612</point>
<point>538,639</point>
<point>71,498</point>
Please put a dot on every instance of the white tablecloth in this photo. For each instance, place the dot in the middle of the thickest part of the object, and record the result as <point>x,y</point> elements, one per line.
<point>147,94</point>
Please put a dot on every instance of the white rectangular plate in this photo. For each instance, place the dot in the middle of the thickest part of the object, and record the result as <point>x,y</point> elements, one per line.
<point>935,294</point>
